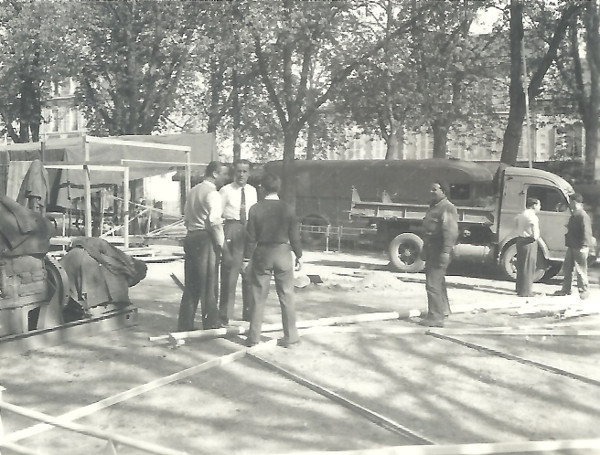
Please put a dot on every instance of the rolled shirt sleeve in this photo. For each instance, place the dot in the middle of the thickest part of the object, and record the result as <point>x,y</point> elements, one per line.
<point>215,216</point>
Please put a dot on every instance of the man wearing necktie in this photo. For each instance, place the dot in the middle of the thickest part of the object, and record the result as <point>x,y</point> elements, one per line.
<point>237,199</point>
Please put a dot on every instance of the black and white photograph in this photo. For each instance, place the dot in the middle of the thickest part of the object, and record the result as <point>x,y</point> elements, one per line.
<point>299,227</point>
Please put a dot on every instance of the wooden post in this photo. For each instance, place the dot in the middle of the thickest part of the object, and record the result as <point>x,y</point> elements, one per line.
<point>188,172</point>
<point>126,207</point>
<point>87,188</point>
<point>2,389</point>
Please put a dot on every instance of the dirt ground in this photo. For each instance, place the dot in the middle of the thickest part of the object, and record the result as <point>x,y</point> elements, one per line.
<point>443,389</point>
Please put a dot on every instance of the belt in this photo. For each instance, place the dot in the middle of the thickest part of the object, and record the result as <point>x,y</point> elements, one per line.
<point>272,243</point>
<point>231,220</point>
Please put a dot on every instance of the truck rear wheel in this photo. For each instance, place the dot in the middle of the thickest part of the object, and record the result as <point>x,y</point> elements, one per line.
<point>508,263</point>
<point>405,253</point>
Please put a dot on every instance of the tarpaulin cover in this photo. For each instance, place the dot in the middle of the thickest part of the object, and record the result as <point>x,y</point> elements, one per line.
<point>22,231</point>
<point>66,185</point>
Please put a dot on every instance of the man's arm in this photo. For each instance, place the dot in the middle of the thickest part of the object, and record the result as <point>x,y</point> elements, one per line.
<point>294,234</point>
<point>587,230</point>
<point>215,219</point>
<point>449,229</point>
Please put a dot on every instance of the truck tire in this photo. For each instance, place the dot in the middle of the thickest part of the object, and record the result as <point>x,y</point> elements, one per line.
<point>508,263</point>
<point>405,253</point>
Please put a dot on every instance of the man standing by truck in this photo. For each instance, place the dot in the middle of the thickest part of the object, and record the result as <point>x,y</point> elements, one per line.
<point>578,240</point>
<point>527,225</point>
<point>440,235</point>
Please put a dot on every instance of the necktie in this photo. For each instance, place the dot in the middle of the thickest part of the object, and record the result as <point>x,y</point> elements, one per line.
<point>243,207</point>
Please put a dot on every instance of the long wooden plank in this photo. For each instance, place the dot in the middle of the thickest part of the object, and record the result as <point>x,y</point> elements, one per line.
<point>20,450</point>
<point>345,402</point>
<point>38,339</point>
<point>136,391</point>
<point>89,431</point>
<point>542,447</point>
<point>240,330</point>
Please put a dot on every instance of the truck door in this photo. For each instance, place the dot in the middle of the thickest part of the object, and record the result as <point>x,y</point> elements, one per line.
<point>553,215</point>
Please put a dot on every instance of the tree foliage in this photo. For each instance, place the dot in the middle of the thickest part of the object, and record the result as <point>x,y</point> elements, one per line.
<point>132,58</point>
<point>33,55</point>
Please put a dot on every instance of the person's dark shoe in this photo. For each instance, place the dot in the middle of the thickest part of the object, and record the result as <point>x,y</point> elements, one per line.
<point>250,343</point>
<point>561,293</point>
<point>224,325</point>
<point>287,344</point>
<point>431,323</point>
<point>584,295</point>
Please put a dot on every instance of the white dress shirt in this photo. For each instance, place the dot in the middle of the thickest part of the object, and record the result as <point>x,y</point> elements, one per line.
<point>231,195</point>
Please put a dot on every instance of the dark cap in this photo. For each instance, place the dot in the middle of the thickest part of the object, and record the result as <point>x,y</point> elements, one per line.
<point>576,197</point>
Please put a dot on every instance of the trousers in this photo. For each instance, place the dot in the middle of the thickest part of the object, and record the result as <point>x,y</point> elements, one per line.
<point>526,264</point>
<point>438,304</point>
<point>576,258</point>
<point>201,282</point>
<point>275,260</point>
<point>235,238</point>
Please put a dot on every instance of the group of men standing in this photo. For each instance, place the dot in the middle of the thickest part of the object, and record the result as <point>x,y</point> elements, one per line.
<point>440,227</point>
<point>578,240</point>
<point>226,228</point>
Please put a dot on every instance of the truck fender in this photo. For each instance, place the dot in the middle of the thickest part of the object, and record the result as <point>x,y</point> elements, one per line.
<point>542,246</point>
<point>507,257</point>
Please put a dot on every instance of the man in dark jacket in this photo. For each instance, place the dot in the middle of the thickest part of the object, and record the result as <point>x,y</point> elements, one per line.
<point>440,235</point>
<point>273,234</point>
<point>578,240</point>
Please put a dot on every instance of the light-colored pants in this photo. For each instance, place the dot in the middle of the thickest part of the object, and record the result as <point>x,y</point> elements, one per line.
<point>576,258</point>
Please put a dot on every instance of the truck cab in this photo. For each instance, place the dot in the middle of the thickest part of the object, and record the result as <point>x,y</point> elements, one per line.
<point>518,184</point>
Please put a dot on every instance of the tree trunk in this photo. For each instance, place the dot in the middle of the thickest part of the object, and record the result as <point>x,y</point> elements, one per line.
<point>393,147</point>
<point>516,114</point>
<point>440,138</point>
<point>311,134</point>
<point>288,189</point>
<point>591,170</point>
<point>236,115</point>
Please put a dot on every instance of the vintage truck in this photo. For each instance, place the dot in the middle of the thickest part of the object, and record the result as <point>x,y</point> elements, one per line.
<point>486,228</point>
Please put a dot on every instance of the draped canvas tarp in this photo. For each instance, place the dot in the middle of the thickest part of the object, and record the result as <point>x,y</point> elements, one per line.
<point>66,185</point>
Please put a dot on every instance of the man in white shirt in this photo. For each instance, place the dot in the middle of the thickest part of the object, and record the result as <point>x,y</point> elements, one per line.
<point>203,245</point>
<point>527,226</point>
<point>237,198</point>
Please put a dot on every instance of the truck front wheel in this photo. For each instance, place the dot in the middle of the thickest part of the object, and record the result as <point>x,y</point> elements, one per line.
<point>508,263</point>
<point>405,253</point>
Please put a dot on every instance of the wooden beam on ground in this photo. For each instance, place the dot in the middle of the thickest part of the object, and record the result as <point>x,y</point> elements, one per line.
<point>522,360</point>
<point>37,339</point>
<point>136,391</point>
<point>89,431</point>
<point>20,450</point>
<point>372,416</point>
<point>240,330</point>
<point>567,446</point>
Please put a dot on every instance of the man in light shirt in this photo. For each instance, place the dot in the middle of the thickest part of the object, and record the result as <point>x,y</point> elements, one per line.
<point>527,226</point>
<point>203,246</point>
<point>237,199</point>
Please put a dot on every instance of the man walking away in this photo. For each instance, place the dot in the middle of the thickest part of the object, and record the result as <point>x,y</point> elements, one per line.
<point>440,227</point>
<point>578,240</point>
<point>203,246</point>
<point>527,226</point>
<point>237,198</point>
<point>274,233</point>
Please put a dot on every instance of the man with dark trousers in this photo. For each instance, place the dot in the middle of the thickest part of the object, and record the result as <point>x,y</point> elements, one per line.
<point>577,240</point>
<point>203,246</point>
<point>237,197</point>
<point>527,226</point>
<point>273,233</point>
<point>440,227</point>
